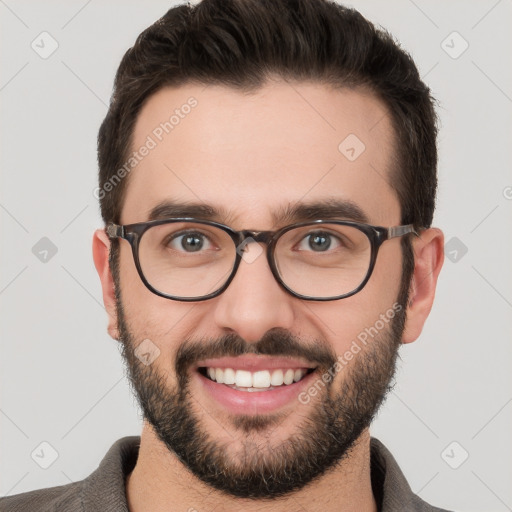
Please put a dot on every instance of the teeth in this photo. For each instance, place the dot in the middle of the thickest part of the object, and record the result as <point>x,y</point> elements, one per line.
<point>277,378</point>
<point>288,376</point>
<point>229,376</point>
<point>252,381</point>
<point>243,379</point>
<point>261,379</point>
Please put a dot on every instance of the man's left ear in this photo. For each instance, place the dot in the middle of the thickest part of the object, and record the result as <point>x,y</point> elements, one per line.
<point>428,259</point>
<point>100,252</point>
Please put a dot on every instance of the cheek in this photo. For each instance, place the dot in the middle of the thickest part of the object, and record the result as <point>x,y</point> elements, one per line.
<point>132,286</point>
<point>387,274</point>
<point>164,322</point>
<point>347,320</point>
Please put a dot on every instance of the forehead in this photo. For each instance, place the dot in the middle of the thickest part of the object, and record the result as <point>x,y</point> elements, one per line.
<point>252,158</point>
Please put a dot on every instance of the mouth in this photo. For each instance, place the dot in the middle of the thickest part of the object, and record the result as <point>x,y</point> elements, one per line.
<point>261,380</point>
<point>254,384</point>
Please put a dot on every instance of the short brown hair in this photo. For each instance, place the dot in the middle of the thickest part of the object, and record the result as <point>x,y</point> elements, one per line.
<point>240,43</point>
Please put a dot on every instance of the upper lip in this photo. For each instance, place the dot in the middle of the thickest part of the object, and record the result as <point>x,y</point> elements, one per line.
<point>254,363</point>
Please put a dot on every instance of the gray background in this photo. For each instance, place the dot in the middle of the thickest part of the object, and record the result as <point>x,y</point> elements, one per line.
<point>62,377</point>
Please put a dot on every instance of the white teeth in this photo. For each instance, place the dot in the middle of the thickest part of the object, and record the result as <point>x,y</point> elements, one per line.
<point>229,376</point>
<point>288,376</point>
<point>261,379</point>
<point>277,378</point>
<point>243,379</point>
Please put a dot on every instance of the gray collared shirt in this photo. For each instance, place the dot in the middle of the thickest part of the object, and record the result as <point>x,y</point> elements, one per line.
<point>104,489</point>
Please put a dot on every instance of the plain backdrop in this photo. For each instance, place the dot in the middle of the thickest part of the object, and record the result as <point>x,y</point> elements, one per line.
<point>449,418</point>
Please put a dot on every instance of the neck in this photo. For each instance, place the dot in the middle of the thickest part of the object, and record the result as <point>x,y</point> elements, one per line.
<point>161,483</point>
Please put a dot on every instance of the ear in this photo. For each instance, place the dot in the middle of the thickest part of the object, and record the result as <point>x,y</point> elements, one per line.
<point>428,250</point>
<point>100,254</point>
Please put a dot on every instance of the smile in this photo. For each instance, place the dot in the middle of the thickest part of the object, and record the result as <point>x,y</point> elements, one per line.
<point>253,384</point>
<point>261,380</point>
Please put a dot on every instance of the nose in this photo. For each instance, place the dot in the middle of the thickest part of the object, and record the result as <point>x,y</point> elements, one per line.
<point>254,302</point>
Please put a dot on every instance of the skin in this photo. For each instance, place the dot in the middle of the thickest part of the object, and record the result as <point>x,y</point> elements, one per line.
<point>253,154</point>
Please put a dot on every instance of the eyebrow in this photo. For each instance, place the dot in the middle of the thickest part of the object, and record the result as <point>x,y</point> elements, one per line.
<point>328,209</point>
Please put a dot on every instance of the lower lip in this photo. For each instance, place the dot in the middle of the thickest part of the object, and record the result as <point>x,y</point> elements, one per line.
<point>257,402</point>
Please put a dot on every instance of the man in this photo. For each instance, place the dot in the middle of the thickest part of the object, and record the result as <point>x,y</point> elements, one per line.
<point>267,182</point>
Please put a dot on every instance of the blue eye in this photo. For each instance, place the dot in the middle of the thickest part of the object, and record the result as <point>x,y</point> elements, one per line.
<point>319,241</point>
<point>190,241</point>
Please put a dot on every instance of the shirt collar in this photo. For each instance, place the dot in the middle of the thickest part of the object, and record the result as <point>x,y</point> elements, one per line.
<point>105,488</point>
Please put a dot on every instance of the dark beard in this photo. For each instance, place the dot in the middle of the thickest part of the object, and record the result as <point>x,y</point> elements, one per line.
<point>323,439</point>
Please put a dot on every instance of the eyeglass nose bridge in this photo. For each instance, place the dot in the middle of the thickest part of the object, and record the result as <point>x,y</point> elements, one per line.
<point>264,237</point>
<point>248,236</point>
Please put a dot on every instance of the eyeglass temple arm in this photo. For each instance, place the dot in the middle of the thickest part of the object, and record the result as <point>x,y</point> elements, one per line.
<point>401,230</point>
<point>115,231</point>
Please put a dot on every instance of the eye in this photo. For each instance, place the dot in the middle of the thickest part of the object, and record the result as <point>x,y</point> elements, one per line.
<point>189,241</point>
<point>319,241</point>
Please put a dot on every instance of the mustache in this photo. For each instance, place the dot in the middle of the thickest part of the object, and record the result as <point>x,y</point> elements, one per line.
<point>275,342</point>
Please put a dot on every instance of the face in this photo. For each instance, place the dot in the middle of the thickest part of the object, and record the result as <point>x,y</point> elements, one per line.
<point>251,156</point>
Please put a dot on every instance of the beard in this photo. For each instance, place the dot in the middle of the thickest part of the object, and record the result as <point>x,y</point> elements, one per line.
<point>324,435</point>
<point>322,439</point>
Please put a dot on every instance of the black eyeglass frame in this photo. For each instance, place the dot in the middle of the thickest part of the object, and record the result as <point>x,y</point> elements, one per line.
<point>376,234</point>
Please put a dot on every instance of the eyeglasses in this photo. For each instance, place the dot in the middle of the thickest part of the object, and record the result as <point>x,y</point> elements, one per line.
<point>189,259</point>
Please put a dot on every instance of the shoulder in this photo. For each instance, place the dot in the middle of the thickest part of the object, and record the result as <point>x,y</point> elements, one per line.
<point>103,489</point>
<point>390,486</point>
<point>62,497</point>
